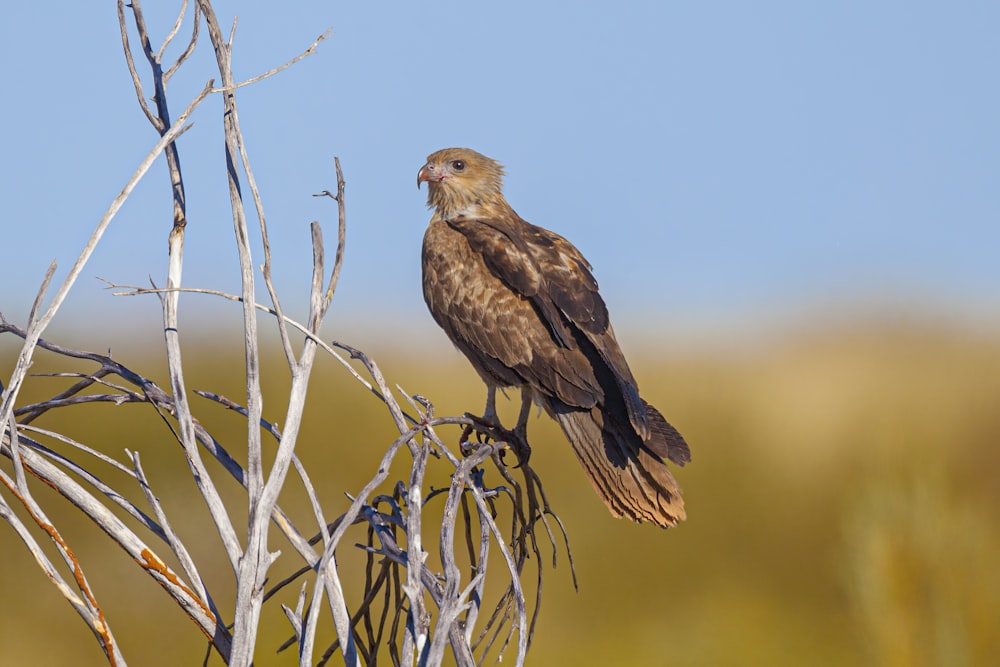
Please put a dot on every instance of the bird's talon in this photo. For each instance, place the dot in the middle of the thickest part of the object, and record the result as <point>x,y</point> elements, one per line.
<point>521,449</point>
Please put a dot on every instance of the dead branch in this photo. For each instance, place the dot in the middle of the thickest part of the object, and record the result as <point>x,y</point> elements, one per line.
<point>425,577</point>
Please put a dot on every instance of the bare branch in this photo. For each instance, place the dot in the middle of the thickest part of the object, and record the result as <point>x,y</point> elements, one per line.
<point>406,605</point>
<point>171,537</point>
<point>34,332</point>
<point>87,606</point>
<point>130,61</point>
<point>173,31</point>
<point>260,77</point>
<point>7,513</point>
<point>164,405</point>
<point>189,49</point>
<point>135,291</point>
<point>341,234</point>
<point>132,544</point>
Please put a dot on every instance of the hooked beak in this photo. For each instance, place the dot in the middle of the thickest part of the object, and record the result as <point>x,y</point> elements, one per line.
<point>428,173</point>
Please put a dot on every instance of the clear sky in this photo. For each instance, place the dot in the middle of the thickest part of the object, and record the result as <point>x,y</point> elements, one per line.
<point>709,158</point>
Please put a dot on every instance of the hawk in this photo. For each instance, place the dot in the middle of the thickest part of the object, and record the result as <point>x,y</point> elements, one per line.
<point>520,302</point>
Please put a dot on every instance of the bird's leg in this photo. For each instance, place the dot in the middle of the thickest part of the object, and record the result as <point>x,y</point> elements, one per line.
<point>488,427</point>
<point>522,418</point>
<point>490,421</point>
<point>516,439</point>
<point>519,441</point>
<point>490,413</point>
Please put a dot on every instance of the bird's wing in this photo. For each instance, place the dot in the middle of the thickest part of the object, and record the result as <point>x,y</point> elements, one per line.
<point>548,270</point>
<point>495,326</point>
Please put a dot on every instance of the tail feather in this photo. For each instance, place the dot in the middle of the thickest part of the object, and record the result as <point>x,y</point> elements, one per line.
<point>627,473</point>
<point>665,440</point>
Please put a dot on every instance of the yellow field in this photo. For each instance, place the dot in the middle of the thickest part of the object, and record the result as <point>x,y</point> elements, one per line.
<point>842,506</point>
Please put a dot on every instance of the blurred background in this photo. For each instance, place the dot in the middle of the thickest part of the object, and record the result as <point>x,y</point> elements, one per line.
<point>793,213</point>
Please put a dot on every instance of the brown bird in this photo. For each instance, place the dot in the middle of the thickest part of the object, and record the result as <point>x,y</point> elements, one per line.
<point>521,303</point>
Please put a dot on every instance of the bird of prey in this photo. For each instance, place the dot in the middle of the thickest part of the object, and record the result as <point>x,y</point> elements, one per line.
<point>521,304</point>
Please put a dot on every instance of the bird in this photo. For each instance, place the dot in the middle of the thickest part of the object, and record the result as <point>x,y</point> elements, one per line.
<point>523,306</point>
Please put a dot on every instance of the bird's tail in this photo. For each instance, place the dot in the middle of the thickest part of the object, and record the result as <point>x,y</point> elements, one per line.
<point>628,474</point>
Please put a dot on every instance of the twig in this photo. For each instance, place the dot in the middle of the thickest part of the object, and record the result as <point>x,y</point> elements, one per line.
<point>164,405</point>
<point>397,607</point>
<point>176,545</point>
<point>260,77</point>
<point>135,291</point>
<point>88,606</point>
<point>137,549</point>
<point>189,49</point>
<point>34,331</point>
<point>78,604</point>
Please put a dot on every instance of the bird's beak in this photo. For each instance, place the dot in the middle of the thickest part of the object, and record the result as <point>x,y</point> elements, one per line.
<point>426,173</point>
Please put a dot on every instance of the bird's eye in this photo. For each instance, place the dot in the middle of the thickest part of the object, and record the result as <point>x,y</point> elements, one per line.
<point>458,165</point>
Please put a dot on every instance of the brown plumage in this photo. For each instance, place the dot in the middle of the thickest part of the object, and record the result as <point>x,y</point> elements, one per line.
<point>521,303</point>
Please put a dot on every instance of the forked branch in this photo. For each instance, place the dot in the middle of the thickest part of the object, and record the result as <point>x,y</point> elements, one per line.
<point>429,549</point>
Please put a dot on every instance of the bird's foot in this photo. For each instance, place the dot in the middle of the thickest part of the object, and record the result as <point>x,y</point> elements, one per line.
<point>484,427</point>
<point>487,429</point>
<point>517,441</point>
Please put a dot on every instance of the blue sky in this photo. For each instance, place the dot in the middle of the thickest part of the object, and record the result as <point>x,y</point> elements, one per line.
<point>716,161</point>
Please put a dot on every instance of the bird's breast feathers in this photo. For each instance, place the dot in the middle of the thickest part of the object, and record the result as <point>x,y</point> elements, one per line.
<point>457,281</point>
<point>475,308</point>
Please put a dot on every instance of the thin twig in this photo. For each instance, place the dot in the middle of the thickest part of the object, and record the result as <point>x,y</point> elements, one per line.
<point>189,49</point>
<point>173,31</point>
<point>135,291</point>
<point>87,606</point>
<point>260,77</point>
<point>35,332</point>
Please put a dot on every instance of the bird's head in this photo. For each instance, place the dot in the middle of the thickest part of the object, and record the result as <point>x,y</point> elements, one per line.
<point>461,181</point>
